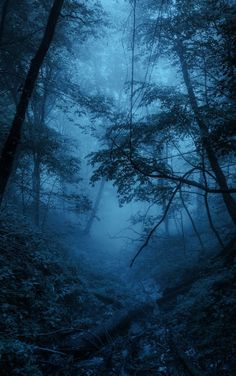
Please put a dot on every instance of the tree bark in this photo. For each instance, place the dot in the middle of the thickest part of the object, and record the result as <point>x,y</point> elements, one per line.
<point>38,122</point>
<point>229,201</point>
<point>3,18</point>
<point>8,154</point>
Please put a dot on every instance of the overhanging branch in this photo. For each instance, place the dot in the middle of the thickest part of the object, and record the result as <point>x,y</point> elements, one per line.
<point>157,174</point>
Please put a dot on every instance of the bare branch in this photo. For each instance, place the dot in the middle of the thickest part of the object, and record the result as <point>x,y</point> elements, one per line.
<point>145,244</point>
<point>73,17</point>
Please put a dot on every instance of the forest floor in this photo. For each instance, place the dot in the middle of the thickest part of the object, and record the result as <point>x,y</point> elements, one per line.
<point>187,332</point>
<point>61,319</point>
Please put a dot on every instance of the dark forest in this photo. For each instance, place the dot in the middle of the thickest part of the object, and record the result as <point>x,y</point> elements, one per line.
<point>117,187</point>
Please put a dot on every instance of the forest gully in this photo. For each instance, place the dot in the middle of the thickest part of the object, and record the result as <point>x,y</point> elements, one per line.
<point>117,187</point>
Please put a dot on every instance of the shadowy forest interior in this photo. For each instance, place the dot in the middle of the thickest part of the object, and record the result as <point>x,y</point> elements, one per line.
<point>117,187</point>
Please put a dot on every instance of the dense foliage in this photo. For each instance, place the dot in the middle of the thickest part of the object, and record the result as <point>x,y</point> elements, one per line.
<point>117,187</point>
<point>41,292</point>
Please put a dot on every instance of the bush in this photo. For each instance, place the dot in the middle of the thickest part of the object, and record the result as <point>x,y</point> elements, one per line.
<point>40,293</point>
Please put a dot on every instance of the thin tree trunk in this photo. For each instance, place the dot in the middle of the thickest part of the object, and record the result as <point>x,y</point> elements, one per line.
<point>39,114</point>
<point>48,204</point>
<point>95,208</point>
<point>183,234</point>
<point>166,222</point>
<point>3,18</point>
<point>8,154</point>
<point>176,223</point>
<point>36,179</point>
<point>204,133</point>
<point>211,222</point>
<point>22,191</point>
<point>208,208</point>
<point>199,198</point>
<point>192,222</point>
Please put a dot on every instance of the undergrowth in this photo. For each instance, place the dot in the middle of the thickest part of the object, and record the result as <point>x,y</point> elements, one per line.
<point>41,293</point>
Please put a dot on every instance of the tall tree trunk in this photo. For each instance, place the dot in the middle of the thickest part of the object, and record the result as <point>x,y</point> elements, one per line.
<point>38,122</point>
<point>36,178</point>
<point>204,133</point>
<point>23,190</point>
<point>8,154</point>
<point>5,6</point>
<point>95,208</point>
<point>166,222</point>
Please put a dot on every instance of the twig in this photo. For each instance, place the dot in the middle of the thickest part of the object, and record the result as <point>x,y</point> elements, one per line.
<point>64,330</point>
<point>49,350</point>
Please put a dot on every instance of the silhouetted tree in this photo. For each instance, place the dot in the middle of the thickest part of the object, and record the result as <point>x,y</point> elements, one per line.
<point>9,150</point>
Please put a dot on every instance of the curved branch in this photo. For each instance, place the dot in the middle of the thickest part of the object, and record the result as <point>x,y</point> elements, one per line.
<point>163,175</point>
<point>145,244</point>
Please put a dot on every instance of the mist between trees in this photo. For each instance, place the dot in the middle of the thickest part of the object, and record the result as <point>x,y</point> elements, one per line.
<point>117,147</point>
